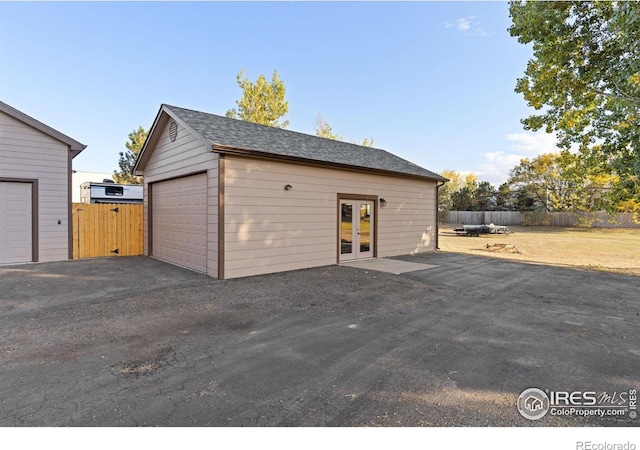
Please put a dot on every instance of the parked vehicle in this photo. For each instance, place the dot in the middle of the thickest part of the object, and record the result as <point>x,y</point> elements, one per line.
<point>110,192</point>
<point>477,230</point>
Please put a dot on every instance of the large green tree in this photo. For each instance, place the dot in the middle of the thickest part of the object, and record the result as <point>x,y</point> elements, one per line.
<point>557,182</point>
<point>446,191</point>
<point>262,101</point>
<point>485,197</point>
<point>584,78</point>
<point>464,193</point>
<point>128,158</point>
<point>505,198</point>
<point>474,196</point>
<point>539,184</point>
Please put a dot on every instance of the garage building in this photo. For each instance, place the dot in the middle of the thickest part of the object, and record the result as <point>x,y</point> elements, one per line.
<point>231,198</point>
<point>35,189</point>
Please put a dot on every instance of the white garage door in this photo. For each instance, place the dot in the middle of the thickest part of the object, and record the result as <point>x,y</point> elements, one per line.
<point>179,230</point>
<point>15,222</point>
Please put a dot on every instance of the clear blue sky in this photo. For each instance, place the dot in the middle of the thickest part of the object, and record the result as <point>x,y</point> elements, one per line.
<point>430,81</point>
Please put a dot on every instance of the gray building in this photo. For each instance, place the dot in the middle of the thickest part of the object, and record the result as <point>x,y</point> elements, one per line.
<point>35,189</point>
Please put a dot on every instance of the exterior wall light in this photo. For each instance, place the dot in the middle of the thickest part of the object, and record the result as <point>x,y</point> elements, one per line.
<point>288,187</point>
<point>383,202</point>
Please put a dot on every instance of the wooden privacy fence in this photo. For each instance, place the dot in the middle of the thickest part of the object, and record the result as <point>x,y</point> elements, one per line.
<point>101,229</point>
<point>598,219</point>
<point>508,218</point>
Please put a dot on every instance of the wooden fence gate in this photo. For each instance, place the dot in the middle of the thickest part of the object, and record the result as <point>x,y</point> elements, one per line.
<point>101,229</point>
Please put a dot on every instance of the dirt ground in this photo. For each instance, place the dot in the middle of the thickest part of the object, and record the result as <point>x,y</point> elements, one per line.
<point>615,250</point>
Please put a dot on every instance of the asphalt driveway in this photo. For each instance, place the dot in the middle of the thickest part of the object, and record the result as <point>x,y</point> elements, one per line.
<point>137,342</point>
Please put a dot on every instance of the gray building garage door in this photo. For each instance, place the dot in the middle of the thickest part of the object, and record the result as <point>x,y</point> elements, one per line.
<point>179,214</point>
<point>15,222</point>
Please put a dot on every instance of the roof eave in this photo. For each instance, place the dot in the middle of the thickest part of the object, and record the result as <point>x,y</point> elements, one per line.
<point>225,149</point>
<point>75,151</point>
<point>74,146</point>
<point>142,156</point>
<point>162,118</point>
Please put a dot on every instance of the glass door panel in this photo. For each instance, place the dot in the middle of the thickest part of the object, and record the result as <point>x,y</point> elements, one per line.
<point>365,227</point>
<point>365,234</point>
<point>347,231</point>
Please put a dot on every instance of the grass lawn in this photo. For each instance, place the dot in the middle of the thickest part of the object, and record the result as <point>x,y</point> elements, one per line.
<point>616,250</point>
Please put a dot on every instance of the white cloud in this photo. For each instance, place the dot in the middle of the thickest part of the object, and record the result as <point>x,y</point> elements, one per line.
<point>533,143</point>
<point>497,164</point>
<point>468,25</point>
<point>464,23</point>
<point>496,167</point>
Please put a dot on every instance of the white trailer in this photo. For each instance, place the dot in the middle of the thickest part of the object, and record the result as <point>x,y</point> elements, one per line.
<point>91,192</point>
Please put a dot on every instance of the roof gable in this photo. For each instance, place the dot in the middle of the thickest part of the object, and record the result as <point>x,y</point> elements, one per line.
<point>75,146</point>
<point>226,135</point>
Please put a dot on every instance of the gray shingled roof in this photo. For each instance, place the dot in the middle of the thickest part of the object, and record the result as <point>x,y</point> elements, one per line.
<point>250,136</point>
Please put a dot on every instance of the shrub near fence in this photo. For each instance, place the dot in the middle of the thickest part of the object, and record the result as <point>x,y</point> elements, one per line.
<point>598,219</point>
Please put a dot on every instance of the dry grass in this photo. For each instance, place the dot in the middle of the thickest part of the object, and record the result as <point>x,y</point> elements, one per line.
<point>616,250</point>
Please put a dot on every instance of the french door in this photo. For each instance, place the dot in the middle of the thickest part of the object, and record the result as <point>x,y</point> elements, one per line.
<point>356,229</point>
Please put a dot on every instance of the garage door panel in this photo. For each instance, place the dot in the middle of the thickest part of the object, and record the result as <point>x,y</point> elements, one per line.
<point>180,221</point>
<point>15,222</point>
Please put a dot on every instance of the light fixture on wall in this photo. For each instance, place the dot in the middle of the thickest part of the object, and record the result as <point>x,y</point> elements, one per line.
<point>383,202</point>
<point>288,187</point>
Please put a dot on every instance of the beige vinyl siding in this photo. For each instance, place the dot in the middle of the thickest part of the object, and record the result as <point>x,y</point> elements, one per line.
<point>30,154</point>
<point>269,229</point>
<point>187,155</point>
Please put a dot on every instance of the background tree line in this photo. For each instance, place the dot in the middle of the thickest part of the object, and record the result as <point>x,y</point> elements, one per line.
<point>550,182</point>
